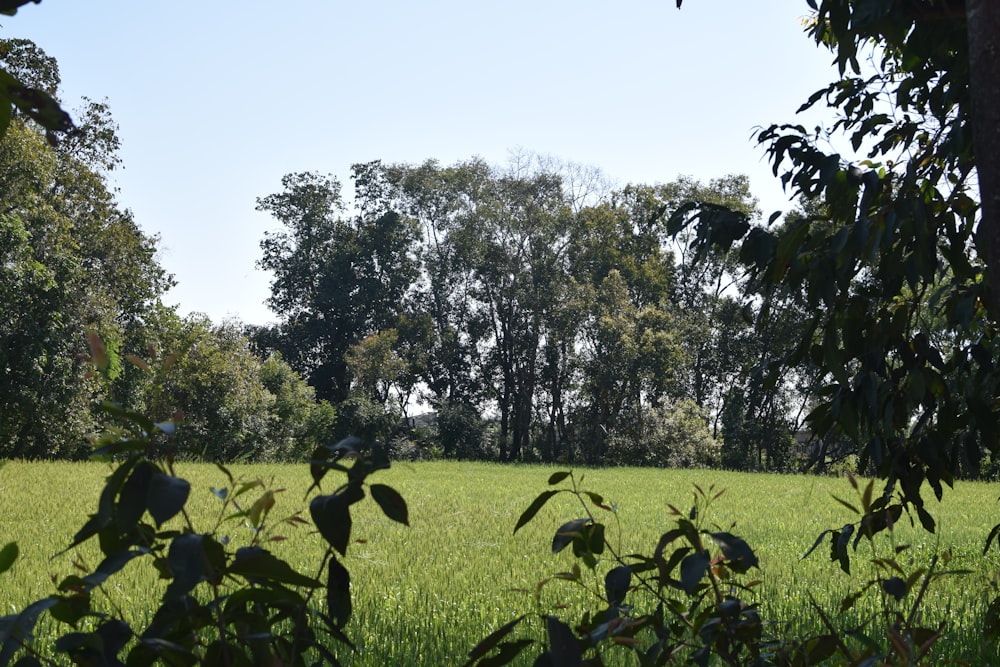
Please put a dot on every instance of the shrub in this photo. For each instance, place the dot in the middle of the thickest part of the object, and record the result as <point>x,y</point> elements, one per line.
<point>674,434</point>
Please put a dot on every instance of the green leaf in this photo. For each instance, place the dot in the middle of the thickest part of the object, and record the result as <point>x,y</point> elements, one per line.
<point>616,584</point>
<point>492,640</point>
<point>167,495</point>
<point>338,593</point>
<point>895,587</point>
<point>184,559</point>
<point>991,621</point>
<point>564,649</point>
<point>739,554</point>
<point>17,630</point>
<point>557,477</point>
<point>567,533</point>
<point>134,494</point>
<point>260,508</point>
<point>693,568</point>
<point>258,564</point>
<point>392,504</point>
<point>9,554</point>
<point>838,547</point>
<point>506,653</point>
<point>533,508</point>
<point>332,516</point>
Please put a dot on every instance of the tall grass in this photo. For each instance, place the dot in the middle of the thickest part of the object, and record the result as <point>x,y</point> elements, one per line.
<point>424,595</point>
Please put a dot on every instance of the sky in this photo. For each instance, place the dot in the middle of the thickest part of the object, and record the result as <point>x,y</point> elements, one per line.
<point>216,100</point>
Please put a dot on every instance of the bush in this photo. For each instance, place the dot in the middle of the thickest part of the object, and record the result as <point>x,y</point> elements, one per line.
<point>674,435</point>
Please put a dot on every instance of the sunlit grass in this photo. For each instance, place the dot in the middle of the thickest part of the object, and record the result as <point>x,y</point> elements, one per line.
<point>424,595</point>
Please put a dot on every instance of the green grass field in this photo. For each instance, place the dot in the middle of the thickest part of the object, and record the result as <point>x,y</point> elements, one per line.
<point>425,595</point>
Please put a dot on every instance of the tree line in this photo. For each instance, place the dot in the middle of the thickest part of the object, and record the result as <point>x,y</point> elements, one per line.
<point>536,311</point>
<point>539,312</point>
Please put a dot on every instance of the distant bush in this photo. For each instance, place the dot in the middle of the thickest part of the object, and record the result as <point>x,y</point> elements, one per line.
<point>674,435</point>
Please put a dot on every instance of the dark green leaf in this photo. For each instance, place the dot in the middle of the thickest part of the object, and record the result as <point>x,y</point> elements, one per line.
<point>338,593</point>
<point>991,621</point>
<point>816,543</point>
<point>506,653</point>
<point>693,568</point>
<point>392,504</point>
<point>257,564</point>
<point>566,534</point>
<point>895,587</point>
<point>533,508</point>
<point>616,584</point>
<point>134,494</point>
<point>839,545</point>
<point>557,477</point>
<point>9,554</point>
<point>332,516</point>
<point>563,645</point>
<point>17,630</point>
<point>185,561</point>
<point>926,520</point>
<point>167,496</point>
<point>492,640</point>
<point>739,554</point>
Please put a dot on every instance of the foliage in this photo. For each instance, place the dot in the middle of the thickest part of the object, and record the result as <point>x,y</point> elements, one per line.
<point>71,260</point>
<point>689,600</point>
<point>534,293</point>
<point>337,279</point>
<point>225,602</point>
<point>673,434</point>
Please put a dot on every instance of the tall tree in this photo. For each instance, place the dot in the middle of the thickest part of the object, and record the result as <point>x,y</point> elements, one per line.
<point>899,236</point>
<point>337,278</point>
<point>72,260</point>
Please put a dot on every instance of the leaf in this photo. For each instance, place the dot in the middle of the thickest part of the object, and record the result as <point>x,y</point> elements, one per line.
<point>508,651</point>
<point>8,555</point>
<point>16,631</point>
<point>816,543</point>
<point>492,640</point>
<point>564,648</point>
<point>895,587</point>
<point>185,561</point>
<point>846,504</point>
<point>566,533</point>
<point>260,508</point>
<point>838,546</point>
<point>559,476</point>
<point>338,593</point>
<point>739,554</point>
<point>332,516</point>
<point>392,504</point>
<point>256,563</point>
<point>991,621</point>
<point>693,568</point>
<point>616,585</point>
<point>533,508</point>
<point>167,496</point>
<point>926,520</point>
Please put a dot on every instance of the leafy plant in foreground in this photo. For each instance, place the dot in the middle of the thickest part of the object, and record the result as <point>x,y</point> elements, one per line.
<point>697,605</point>
<point>223,603</point>
<point>688,601</point>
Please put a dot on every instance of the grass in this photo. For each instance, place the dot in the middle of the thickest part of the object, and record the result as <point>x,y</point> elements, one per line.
<point>425,595</point>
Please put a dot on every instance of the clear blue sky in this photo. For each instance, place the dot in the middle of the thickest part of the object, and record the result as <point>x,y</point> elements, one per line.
<point>216,100</point>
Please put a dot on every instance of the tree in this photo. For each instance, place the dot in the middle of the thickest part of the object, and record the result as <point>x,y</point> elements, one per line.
<point>902,233</point>
<point>72,261</point>
<point>337,279</point>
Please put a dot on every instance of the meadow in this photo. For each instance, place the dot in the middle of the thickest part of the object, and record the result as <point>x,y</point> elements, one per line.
<point>427,593</point>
